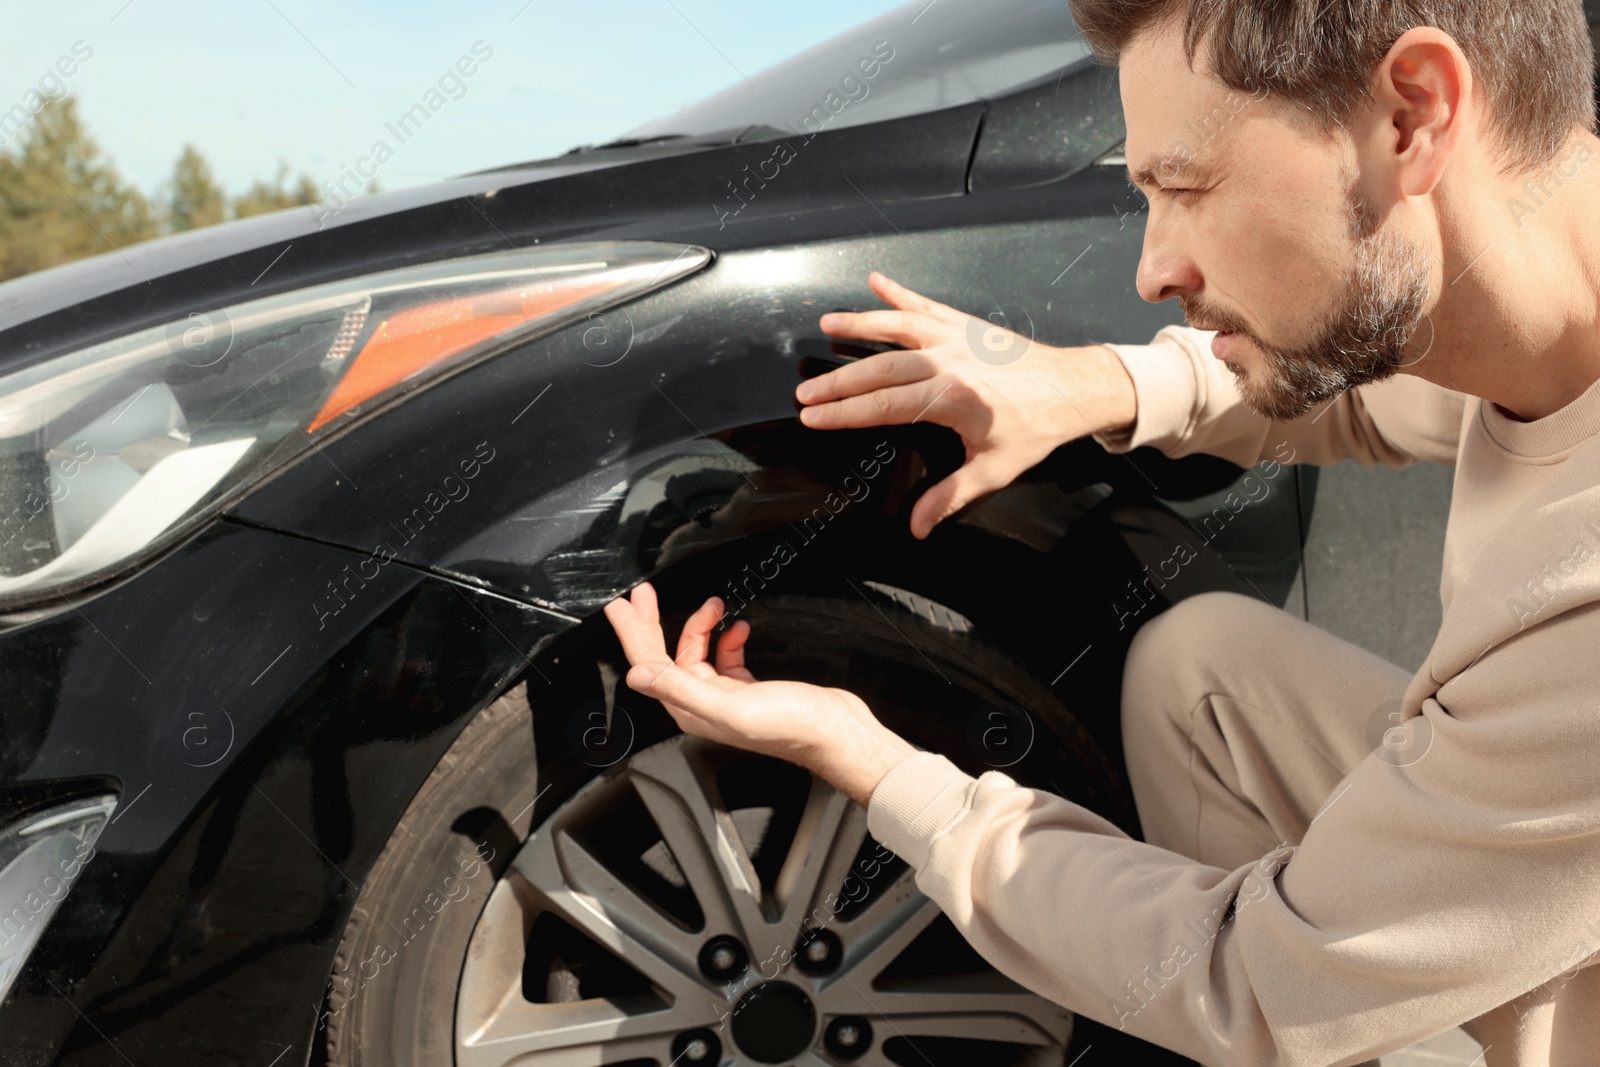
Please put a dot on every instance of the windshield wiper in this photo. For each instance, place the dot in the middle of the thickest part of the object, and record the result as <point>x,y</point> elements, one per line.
<point>625,142</point>
<point>734,135</point>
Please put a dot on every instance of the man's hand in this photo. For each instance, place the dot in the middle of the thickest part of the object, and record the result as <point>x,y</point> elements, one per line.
<point>1010,415</point>
<point>827,731</point>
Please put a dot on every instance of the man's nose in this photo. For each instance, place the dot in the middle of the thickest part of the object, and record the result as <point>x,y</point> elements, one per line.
<point>1165,271</point>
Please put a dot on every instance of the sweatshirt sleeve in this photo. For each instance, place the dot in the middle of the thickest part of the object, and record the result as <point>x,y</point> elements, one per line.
<point>1422,896</point>
<point>1189,402</point>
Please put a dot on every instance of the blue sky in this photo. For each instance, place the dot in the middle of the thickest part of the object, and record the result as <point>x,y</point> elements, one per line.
<point>250,82</point>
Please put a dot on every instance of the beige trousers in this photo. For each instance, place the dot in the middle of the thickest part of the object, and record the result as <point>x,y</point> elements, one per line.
<point>1240,720</point>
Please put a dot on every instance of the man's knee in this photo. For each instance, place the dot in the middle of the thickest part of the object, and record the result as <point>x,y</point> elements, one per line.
<point>1172,654</point>
<point>1178,661</point>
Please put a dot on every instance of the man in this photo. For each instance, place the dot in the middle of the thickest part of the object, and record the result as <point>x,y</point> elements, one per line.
<point>1385,211</point>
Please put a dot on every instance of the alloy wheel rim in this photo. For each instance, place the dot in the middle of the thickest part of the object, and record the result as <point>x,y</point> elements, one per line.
<point>680,1007</point>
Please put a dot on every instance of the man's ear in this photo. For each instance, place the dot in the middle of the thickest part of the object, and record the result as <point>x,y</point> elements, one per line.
<point>1424,104</point>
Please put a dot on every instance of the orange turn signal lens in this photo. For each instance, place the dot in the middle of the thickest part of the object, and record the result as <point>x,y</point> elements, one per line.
<point>416,338</point>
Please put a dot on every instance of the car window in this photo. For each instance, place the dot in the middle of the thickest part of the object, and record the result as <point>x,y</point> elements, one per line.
<point>919,57</point>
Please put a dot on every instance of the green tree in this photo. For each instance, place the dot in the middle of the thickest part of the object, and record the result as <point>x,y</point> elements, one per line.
<point>196,200</point>
<point>263,197</point>
<point>60,200</point>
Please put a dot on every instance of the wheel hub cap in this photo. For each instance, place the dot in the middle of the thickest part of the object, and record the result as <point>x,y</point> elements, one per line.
<point>774,1022</point>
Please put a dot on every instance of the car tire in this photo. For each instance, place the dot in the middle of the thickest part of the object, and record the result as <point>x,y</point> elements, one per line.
<point>382,1005</point>
<point>403,978</point>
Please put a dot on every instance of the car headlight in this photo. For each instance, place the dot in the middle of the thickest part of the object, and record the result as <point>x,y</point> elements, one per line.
<point>40,857</point>
<point>110,453</point>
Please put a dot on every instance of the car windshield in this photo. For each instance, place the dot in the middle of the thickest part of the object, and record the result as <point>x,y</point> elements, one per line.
<point>919,57</point>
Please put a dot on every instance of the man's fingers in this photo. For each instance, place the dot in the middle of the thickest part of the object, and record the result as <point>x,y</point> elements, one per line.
<point>694,644</point>
<point>894,406</point>
<point>644,677</point>
<point>730,651</point>
<point>644,601</point>
<point>664,682</point>
<point>914,323</point>
<point>671,684</point>
<point>865,375</point>
<point>896,295</point>
<point>904,328</point>
<point>978,478</point>
<point>641,638</point>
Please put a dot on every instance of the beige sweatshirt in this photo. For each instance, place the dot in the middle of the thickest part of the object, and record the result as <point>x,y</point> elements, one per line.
<point>1427,895</point>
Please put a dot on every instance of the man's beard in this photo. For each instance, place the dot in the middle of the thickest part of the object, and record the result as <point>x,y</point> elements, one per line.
<point>1362,340</point>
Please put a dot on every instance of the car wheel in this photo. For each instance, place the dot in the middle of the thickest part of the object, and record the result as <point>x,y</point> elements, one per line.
<point>690,903</point>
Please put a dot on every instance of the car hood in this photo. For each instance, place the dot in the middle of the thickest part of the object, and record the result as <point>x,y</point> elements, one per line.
<point>57,288</point>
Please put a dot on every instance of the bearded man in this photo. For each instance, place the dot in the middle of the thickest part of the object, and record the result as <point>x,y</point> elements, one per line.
<point>1384,242</point>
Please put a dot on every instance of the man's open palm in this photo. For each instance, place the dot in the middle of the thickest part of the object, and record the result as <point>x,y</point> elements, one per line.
<point>1012,400</point>
<point>829,731</point>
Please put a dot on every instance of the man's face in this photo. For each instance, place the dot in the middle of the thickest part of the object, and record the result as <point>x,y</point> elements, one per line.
<point>1259,227</point>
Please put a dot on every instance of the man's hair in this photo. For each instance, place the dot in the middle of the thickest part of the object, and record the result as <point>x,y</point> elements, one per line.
<point>1532,59</point>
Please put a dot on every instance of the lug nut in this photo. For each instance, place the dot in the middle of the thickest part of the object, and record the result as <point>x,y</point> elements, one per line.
<point>723,958</point>
<point>696,1046</point>
<point>848,1037</point>
<point>820,953</point>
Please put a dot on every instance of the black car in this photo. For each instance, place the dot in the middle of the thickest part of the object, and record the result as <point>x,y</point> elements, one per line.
<point>313,745</point>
